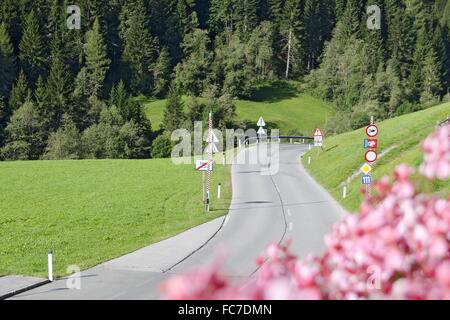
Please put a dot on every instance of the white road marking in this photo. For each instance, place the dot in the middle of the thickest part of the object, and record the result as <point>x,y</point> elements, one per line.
<point>289,212</point>
<point>226,221</point>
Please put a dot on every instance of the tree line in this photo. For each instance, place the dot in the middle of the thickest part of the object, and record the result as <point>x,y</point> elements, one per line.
<point>69,94</point>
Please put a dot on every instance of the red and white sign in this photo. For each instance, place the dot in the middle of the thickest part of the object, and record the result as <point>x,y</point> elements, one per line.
<point>318,133</point>
<point>371,156</point>
<point>372,131</point>
<point>202,165</point>
<point>371,143</point>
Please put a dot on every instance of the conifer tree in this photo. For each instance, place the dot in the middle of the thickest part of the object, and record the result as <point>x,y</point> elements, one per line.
<point>8,70</point>
<point>173,114</point>
<point>93,74</point>
<point>162,73</point>
<point>32,50</point>
<point>431,81</point>
<point>19,92</point>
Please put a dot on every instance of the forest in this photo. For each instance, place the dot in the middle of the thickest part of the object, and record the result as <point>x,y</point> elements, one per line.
<point>71,93</point>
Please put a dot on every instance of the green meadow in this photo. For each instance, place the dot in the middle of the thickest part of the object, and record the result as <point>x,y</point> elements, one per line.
<point>282,105</point>
<point>88,212</point>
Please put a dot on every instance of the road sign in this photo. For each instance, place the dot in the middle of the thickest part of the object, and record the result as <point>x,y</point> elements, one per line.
<point>318,133</point>
<point>372,131</point>
<point>318,141</point>
<point>261,131</point>
<point>214,137</point>
<point>202,165</point>
<point>366,168</point>
<point>370,143</point>
<point>371,156</point>
<point>366,179</point>
<point>261,122</point>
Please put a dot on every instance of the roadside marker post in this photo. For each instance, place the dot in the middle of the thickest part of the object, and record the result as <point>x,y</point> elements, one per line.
<point>50,265</point>
<point>309,160</point>
<point>219,187</point>
<point>344,192</point>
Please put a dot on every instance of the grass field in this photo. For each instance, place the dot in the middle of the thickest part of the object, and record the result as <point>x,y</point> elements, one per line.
<point>281,105</point>
<point>344,154</point>
<point>91,211</point>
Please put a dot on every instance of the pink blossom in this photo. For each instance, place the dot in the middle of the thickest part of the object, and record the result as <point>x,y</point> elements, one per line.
<point>437,154</point>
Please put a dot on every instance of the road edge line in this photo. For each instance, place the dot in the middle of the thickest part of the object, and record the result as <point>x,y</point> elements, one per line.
<point>24,289</point>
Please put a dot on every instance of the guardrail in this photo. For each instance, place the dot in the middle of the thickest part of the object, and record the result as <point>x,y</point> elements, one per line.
<point>249,140</point>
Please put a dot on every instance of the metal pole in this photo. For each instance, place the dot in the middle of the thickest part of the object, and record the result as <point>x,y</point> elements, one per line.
<point>204,186</point>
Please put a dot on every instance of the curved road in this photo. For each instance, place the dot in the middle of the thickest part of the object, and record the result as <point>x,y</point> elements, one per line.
<point>264,209</point>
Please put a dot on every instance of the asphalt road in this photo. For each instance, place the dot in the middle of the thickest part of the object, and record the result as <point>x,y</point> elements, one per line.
<point>264,209</point>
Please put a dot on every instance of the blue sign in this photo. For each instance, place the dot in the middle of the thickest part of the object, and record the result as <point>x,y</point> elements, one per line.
<point>366,179</point>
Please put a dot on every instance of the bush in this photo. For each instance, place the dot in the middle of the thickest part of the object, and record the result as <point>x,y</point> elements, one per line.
<point>161,147</point>
<point>64,144</point>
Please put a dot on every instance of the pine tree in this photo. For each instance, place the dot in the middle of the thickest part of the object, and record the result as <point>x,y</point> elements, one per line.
<point>41,97</point>
<point>431,81</point>
<point>59,88</point>
<point>3,116</point>
<point>32,50</point>
<point>9,15</point>
<point>139,46</point>
<point>19,93</point>
<point>119,98</point>
<point>97,63</point>
<point>245,17</point>
<point>186,16</point>
<point>8,70</point>
<point>292,38</point>
<point>173,114</point>
<point>162,73</point>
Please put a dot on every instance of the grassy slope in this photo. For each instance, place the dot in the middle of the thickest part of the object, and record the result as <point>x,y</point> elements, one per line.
<point>281,105</point>
<point>92,211</point>
<point>344,153</point>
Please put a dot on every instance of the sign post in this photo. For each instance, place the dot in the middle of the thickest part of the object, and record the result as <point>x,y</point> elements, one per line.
<point>318,139</point>
<point>371,155</point>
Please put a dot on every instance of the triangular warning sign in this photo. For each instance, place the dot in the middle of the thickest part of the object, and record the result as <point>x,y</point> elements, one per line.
<point>261,131</point>
<point>318,133</point>
<point>261,122</point>
<point>214,137</point>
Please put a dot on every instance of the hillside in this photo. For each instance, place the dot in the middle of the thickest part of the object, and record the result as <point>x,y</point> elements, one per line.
<point>399,138</point>
<point>91,211</point>
<point>281,105</point>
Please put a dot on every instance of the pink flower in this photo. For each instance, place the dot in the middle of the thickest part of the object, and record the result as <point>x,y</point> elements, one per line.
<point>437,154</point>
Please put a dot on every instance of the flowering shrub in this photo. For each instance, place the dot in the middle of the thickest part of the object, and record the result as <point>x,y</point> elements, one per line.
<point>397,247</point>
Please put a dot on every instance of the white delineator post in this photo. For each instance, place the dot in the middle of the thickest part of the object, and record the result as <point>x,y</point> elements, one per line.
<point>309,160</point>
<point>344,192</point>
<point>50,265</point>
<point>219,186</point>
